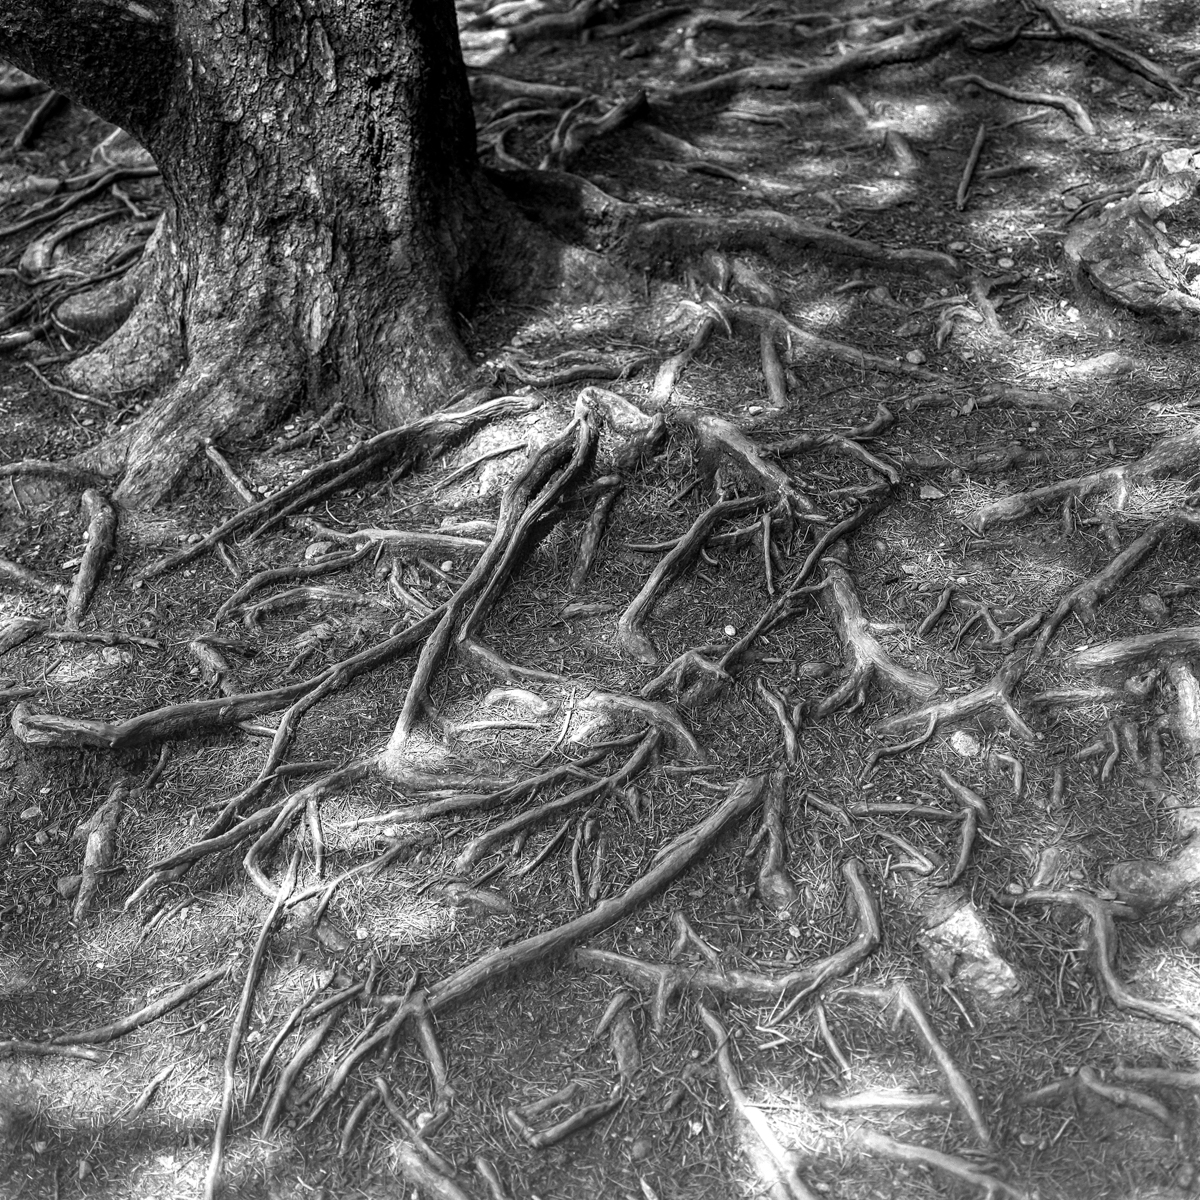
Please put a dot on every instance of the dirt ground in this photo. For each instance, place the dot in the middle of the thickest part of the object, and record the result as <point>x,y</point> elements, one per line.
<point>1022,1020</point>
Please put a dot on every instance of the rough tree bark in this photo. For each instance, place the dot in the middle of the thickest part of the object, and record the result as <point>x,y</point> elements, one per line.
<point>327,213</point>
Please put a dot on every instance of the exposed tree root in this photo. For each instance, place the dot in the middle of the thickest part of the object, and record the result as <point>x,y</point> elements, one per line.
<point>19,576</point>
<point>1171,456</point>
<point>961,1091</point>
<point>718,439</point>
<point>997,694</point>
<point>1104,945</point>
<point>572,135</point>
<point>787,725</point>
<point>790,988</point>
<point>885,1101</point>
<point>241,1023</point>
<point>1089,595</point>
<point>1130,1098</point>
<point>326,565</point>
<point>777,1167</point>
<point>100,1034</point>
<point>765,230</point>
<point>551,1135</point>
<point>589,541</point>
<point>630,633</point>
<point>848,444</point>
<point>398,448</point>
<point>1148,884</point>
<point>462,984</point>
<point>968,172</point>
<point>535,491</point>
<point>1144,650</point>
<point>198,716</point>
<point>950,1164</point>
<point>775,887</point>
<point>867,660</point>
<point>1071,107</point>
<point>901,48</point>
<point>1106,46</point>
<point>48,1050</point>
<point>802,343</point>
<point>100,851</point>
<point>696,680</point>
<point>480,845</point>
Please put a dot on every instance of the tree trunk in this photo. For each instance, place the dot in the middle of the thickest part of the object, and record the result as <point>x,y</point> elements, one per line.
<point>326,208</point>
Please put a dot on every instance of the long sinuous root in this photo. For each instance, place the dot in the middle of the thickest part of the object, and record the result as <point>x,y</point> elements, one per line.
<point>789,988</point>
<point>961,1091</point>
<point>506,960</point>
<point>776,1165</point>
<point>1103,935</point>
<point>398,447</point>
<point>997,693</point>
<point>631,626</point>
<point>1170,456</point>
<point>958,1168</point>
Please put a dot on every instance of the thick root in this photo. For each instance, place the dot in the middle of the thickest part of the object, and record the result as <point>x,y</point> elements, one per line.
<point>866,659</point>
<point>1171,456</point>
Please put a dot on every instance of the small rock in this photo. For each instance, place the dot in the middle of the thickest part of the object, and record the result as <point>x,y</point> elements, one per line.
<point>316,550</point>
<point>930,491</point>
<point>1189,936</point>
<point>916,357</point>
<point>754,410</point>
<point>730,630</point>
<point>965,744</point>
<point>641,1149</point>
<point>32,813</point>
<point>1107,365</point>
<point>1005,264</point>
<point>1071,202</point>
<point>68,885</point>
<point>957,247</point>
<point>448,565</point>
<point>1153,605</point>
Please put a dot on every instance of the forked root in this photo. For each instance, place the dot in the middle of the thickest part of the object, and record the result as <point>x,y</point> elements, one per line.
<point>997,694</point>
<point>790,988</point>
<point>776,1165</point>
<point>1170,456</point>
<point>867,660</point>
<point>1103,935</point>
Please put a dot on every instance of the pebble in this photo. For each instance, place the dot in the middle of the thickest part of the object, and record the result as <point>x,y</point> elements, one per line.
<point>641,1149</point>
<point>965,744</point>
<point>916,357</point>
<point>1005,263</point>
